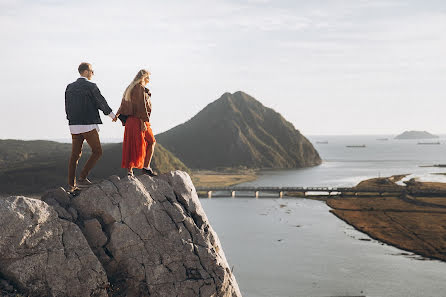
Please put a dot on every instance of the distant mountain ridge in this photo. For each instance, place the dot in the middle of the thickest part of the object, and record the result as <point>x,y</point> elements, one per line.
<point>416,135</point>
<point>237,130</point>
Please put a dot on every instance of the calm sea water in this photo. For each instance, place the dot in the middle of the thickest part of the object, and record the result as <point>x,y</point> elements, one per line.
<point>296,247</point>
<point>343,166</point>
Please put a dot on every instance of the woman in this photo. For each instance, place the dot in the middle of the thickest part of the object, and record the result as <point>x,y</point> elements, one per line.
<point>139,143</point>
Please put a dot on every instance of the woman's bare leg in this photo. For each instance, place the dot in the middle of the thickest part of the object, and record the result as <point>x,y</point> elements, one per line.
<point>130,171</point>
<point>149,155</point>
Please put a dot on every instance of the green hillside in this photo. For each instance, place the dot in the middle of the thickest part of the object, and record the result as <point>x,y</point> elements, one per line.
<point>35,166</point>
<point>237,130</point>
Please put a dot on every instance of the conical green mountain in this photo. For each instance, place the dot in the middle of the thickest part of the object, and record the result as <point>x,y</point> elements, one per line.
<point>237,130</point>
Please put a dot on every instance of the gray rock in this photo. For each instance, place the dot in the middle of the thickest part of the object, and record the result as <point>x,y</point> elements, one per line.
<point>160,242</point>
<point>149,236</point>
<point>59,194</point>
<point>59,199</point>
<point>93,233</point>
<point>73,213</point>
<point>6,286</point>
<point>44,255</point>
<point>62,212</point>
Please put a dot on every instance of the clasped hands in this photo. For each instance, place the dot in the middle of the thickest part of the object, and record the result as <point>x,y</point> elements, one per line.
<point>143,125</point>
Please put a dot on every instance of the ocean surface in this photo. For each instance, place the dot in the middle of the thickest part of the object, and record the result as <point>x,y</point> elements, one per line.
<point>295,247</point>
<point>346,166</point>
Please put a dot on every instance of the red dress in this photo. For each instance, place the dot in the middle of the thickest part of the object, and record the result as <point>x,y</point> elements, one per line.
<point>134,146</point>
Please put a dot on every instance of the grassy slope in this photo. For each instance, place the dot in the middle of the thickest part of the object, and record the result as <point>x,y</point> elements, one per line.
<point>35,166</point>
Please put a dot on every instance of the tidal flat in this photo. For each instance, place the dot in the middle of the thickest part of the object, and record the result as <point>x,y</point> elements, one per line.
<point>208,178</point>
<point>414,224</point>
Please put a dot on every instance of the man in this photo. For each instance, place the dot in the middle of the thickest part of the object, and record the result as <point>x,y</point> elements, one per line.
<point>82,103</point>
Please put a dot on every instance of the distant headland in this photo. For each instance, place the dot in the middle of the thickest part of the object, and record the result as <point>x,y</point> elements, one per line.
<point>416,135</point>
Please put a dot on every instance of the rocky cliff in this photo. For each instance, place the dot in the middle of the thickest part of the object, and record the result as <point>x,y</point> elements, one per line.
<point>122,237</point>
<point>237,130</point>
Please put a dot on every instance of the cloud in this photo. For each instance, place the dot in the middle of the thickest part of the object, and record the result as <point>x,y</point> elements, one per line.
<point>277,50</point>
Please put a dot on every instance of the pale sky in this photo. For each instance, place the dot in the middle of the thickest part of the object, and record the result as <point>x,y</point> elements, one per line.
<point>328,66</point>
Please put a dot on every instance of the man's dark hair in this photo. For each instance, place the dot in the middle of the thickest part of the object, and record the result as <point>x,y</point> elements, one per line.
<point>83,66</point>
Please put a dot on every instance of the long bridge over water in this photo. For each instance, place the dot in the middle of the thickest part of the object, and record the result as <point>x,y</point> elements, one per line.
<point>313,191</point>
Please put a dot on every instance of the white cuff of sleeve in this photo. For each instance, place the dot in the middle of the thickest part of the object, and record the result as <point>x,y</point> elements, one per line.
<point>112,115</point>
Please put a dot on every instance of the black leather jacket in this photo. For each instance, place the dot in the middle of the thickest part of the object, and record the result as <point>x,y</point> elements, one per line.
<point>83,101</point>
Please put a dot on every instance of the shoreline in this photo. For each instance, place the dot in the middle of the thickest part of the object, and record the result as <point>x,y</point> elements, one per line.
<point>425,257</point>
<point>412,224</point>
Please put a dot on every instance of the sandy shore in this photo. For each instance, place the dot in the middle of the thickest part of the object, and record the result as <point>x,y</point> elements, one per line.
<point>415,224</point>
<point>222,179</point>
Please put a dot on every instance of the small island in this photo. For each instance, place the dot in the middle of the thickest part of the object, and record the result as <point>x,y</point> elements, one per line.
<point>416,135</point>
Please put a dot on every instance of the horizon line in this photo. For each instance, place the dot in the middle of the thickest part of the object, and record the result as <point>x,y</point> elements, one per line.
<point>108,139</point>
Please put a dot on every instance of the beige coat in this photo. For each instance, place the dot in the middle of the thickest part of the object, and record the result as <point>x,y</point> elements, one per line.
<point>139,104</point>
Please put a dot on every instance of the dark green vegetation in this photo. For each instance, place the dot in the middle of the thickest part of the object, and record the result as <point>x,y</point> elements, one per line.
<point>416,135</point>
<point>237,130</point>
<point>35,166</point>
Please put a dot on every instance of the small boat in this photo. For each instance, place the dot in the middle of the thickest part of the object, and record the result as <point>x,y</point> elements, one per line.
<point>382,139</point>
<point>363,145</point>
<point>429,142</point>
<point>322,142</point>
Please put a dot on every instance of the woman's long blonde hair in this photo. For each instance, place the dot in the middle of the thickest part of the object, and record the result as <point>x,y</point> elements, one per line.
<point>138,79</point>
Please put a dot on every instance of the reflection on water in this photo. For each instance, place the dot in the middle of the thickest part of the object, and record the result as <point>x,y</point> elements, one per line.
<point>295,247</point>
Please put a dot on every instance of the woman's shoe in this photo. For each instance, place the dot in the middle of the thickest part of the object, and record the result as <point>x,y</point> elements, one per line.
<point>73,191</point>
<point>82,183</point>
<point>149,172</point>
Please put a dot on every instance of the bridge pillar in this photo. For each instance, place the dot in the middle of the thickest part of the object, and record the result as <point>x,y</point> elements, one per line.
<point>209,194</point>
<point>281,194</point>
<point>233,194</point>
<point>257,194</point>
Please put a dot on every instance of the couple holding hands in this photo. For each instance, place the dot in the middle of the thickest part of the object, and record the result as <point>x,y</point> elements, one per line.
<point>83,100</point>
